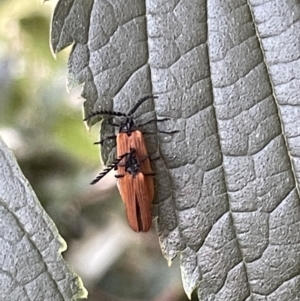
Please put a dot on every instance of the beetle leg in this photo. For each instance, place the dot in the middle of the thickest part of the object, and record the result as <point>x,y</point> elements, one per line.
<point>106,138</point>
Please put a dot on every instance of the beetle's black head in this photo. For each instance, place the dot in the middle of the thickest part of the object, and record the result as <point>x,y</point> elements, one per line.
<point>127,126</point>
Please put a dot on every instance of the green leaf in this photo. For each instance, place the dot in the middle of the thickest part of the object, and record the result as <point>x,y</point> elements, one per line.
<point>32,267</point>
<point>227,74</point>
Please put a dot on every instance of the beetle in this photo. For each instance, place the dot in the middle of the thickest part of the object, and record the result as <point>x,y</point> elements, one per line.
<point>134,189</point>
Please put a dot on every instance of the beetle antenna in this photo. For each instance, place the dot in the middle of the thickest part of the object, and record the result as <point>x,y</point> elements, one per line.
<point>108,169</point>
<point>136,106</point>
<point>104,112</point>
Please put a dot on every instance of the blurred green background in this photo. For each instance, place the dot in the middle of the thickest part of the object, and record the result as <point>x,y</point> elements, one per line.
<point>43,125</point>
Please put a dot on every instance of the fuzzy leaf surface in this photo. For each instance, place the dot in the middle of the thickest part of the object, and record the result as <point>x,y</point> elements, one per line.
<point>227,75</point>
<point>32,267</point>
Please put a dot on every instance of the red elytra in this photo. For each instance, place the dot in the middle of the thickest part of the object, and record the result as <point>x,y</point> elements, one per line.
<point>134,190</point>
<point>136,141</point>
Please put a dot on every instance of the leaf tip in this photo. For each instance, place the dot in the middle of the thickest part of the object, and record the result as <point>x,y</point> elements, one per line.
<point>53,52</point>
<point>63,245</point>
<point>81,293</point>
